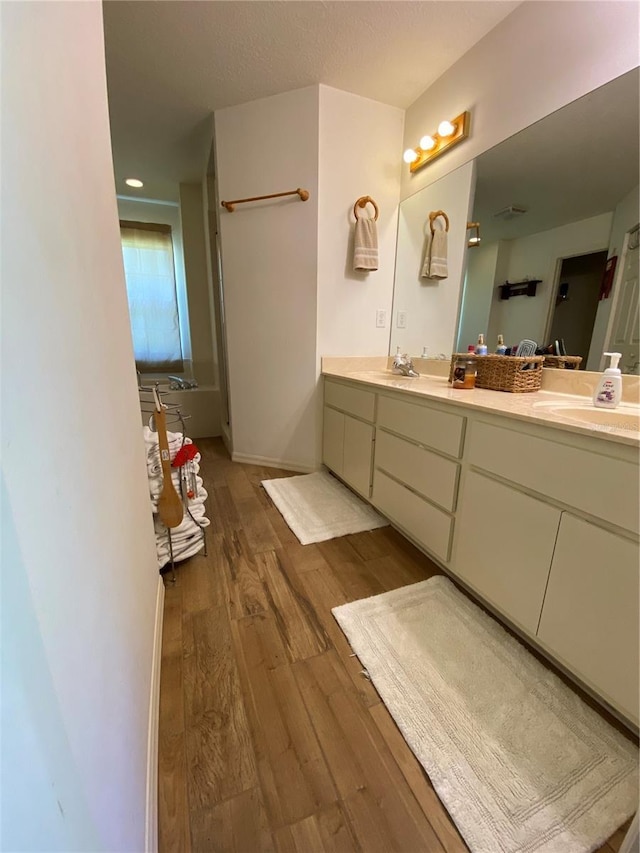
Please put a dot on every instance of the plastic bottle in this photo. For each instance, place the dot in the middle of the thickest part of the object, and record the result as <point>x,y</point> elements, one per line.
<point>501,348</point>
<point>609,389</point>
<point>481,347</point>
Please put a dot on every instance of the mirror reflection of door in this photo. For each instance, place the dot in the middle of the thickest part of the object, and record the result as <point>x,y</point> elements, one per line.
<point>626,325</point>
<point>576,302</point>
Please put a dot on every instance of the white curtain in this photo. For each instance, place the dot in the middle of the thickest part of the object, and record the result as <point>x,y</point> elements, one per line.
<point>147,250</point>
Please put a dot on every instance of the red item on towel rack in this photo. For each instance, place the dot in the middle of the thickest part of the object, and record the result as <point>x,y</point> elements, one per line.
<point>186,453</point>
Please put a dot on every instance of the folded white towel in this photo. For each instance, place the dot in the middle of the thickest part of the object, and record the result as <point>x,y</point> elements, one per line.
<point>438,264</point>
<point>187,526</point>
<point>427,255</point>
<point>181,551</point>
<point>435,264</point>
<point>365,245</point>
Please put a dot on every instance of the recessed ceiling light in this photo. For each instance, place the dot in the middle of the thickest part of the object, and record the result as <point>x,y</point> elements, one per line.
<point>133,182</point>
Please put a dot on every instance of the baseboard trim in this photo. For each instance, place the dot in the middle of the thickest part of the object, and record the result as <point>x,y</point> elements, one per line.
<point>272,463</point>
<point>151,822</point>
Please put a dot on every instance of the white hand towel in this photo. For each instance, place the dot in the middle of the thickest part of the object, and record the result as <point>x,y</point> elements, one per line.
<point>365,245</point>
<point>427,256</point>
<point>438,267</point>
<point>435,255</point>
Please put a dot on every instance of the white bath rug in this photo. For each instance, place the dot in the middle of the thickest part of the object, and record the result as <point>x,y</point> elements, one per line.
<point>318,507</point>
<point>518,759</point>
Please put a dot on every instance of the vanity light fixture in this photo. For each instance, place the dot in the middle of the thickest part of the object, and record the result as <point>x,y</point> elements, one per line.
<point>134,182</point>
<point>433,145</point>
<point>474,240</point>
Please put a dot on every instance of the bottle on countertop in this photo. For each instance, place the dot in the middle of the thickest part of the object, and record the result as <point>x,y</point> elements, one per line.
<point>481,347</point>
<point>501,348</point>
<point>464,372</point>
<point>609,389</point>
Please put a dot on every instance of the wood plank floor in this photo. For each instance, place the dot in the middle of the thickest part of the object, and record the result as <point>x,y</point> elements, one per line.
<point>270,737</point>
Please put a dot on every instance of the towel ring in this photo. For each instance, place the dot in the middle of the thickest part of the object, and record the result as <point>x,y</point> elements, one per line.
<point>362,202</point>
<point>434,215</point>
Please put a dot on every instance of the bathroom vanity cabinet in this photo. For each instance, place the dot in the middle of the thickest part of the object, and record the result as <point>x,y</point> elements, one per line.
<point>541,524</point>
<point>347,439</point>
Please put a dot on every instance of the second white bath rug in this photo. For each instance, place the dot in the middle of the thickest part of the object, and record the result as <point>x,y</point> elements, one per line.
<point>521,763</point>
<point>318,507</point>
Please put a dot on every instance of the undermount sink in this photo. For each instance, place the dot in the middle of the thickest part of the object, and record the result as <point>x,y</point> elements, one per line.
<point>622,418</point>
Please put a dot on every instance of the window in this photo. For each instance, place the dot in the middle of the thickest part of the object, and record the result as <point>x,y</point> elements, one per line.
<point>147,250</point>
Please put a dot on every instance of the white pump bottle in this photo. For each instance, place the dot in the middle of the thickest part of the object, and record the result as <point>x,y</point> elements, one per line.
<point>609,389</point>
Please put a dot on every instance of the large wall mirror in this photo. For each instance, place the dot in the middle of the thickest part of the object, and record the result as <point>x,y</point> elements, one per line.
<point>553,202</point>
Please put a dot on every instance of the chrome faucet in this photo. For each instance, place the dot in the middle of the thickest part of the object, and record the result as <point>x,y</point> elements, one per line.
<point>403,366</point>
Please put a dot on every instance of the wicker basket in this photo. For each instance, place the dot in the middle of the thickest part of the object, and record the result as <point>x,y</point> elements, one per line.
<point>505,372</point>
<point>563,362</point>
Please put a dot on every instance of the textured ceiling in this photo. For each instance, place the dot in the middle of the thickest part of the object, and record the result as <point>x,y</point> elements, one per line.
<point>170,64</point>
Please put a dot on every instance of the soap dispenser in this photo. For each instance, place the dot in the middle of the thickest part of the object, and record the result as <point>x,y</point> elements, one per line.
<point>609,389</point>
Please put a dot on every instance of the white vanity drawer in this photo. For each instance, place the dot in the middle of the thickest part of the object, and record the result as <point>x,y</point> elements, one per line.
<point>580,478</point>
<point>429,474</point>
<point>440,430</point>
<point>426,524</point>
<point>352,400</point>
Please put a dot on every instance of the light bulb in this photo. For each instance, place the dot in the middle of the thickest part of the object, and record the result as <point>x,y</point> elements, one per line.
<point>134,182</point>
<point>445,128</point>
<point>427,143</point>
<point>410,155</point>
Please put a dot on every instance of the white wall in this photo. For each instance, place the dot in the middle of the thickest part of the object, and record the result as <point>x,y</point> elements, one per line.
<point>537,256</point>
<point>431,306</point>
<point>269,268</point>
<point>360,140</point>
<point>291,294</point>
<point>539,58</point>
<point>79,575</point>
<point>478,294</point>
<point>625,217</point>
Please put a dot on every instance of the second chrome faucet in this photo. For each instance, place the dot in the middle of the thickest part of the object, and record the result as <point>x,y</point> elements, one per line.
<point>403,366</point>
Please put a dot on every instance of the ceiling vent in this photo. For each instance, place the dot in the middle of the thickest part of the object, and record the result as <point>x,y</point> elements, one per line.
<point>509,212</point>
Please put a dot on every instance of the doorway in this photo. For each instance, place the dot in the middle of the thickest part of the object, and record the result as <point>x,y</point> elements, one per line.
<point>625,335</point>
<point>576,302</point>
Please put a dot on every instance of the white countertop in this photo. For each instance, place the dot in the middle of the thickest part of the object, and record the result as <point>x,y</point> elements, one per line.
<point>549,408</point>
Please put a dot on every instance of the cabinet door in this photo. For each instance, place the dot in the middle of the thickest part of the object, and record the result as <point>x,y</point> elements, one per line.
<point>333,440</point>
<point>358,452</point>
<point>504,543</point>
<point>590,614</point>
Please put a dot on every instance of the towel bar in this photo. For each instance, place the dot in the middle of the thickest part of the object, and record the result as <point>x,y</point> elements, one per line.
<point>229,205</point>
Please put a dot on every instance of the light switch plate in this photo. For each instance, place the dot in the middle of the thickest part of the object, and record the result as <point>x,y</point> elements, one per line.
<point>381,318</point>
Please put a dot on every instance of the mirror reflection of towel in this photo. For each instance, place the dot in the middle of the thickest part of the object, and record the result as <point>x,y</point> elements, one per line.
<point>365,245</point>
<point>435,256</point>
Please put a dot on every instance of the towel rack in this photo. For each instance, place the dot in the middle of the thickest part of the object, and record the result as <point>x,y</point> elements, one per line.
<point>229,205</point>
<point>434,215</point>
<point>362,202</point>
